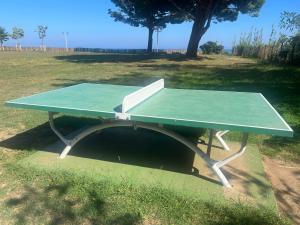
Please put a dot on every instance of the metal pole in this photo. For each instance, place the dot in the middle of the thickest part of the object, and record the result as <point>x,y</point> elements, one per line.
<point>66,40</point>
<point>211,135</point>
<point>157,40</point>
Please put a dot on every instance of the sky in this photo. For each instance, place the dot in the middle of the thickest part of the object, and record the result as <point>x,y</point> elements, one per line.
<point>90,26</point>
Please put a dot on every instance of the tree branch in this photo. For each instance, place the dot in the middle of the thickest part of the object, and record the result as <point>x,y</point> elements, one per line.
<point>183,10</point>
<point>211,10</point>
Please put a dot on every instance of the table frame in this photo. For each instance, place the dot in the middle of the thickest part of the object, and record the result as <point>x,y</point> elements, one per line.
<point>109,123</point>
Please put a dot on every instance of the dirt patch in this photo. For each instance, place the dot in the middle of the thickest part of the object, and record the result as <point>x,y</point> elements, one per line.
<point>151,220</point>
<point>7,133</point>
<point>236,171</point>
<point>285,179</point>
<point>5,152</point>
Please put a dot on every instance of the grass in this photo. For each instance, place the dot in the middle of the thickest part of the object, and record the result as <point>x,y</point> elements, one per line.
<point>28,73</point>
<point>64,197</point>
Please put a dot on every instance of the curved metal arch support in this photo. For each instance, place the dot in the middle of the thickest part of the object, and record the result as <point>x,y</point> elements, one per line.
<point>126,123</point>
<point>51,122</point>
<point>122,123</point>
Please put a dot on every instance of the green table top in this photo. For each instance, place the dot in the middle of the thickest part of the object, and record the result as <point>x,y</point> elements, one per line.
<point>221,110</point>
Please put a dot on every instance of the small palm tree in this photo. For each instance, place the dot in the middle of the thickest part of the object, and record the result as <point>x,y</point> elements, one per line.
<point>4,36</point>
<point>42,34</point>
<point>17,34</point>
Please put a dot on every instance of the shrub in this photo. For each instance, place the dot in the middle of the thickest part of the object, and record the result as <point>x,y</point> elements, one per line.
<point>211,47</point>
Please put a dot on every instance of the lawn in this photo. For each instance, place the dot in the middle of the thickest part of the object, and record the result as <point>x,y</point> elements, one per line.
<point>75,198</point>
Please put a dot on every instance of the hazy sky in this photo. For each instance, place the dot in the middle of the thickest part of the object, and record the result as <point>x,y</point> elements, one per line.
<point>89,24</point>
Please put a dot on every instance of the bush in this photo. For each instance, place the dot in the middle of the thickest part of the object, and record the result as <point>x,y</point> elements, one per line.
<point>295,49</point>
<point>211,47</point>
<point>281,49</point>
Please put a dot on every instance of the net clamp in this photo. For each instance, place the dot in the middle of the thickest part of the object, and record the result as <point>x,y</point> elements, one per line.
<point>122,116</point>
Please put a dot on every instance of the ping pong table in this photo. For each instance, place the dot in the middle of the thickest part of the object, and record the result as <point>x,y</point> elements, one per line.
<point>153,107</point>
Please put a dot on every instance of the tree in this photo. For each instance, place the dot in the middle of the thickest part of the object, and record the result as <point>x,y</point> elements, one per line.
<point>157,30</point>
<point>145,13</point>
<point>17,34</point>
<point>211,47</point>
<point>42,34</point>
<point>290,21</point>
<point>203,12</point>
<point>4,36</point>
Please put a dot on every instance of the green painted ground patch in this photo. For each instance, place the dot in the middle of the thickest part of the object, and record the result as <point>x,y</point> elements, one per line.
<point>156,161</point>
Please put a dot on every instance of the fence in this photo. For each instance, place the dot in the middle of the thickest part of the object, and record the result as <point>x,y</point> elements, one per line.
<point>94,50</point>
<point>35,49</point>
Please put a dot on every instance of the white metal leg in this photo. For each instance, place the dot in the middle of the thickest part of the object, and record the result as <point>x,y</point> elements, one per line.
<point>126,123</point>
<point>64,140</point>
<point>65,152</point>
<point>216,167</point>
<point>219,135</point>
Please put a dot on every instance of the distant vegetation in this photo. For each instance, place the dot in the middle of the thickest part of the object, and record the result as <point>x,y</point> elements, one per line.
<point>211,47</point>
<point>151,14</point>
<point>41,30</point>
<point>283,44</point>
<point>17,34</point>
<point>4,36</point>
<point>155,15</point>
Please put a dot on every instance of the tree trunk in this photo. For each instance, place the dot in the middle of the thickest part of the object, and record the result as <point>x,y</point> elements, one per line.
<point>197,32</point>
<point>43,45</point>
<point>292,53</point>
<point>150,39</point>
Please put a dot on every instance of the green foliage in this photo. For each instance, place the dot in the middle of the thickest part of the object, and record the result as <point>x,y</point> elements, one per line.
<point>290,21</point>
<point>249,44</point>
<point>203,12</point>
<point>280,47</point>
<point>4,36</point>
<point>211,47</point>
<point>145,13</point>
<point>42,31</point>
<point>295,49</point>
<point>17,33</point>
<point>42,34</point>
<point>218,10</point>
<point>156,13</point>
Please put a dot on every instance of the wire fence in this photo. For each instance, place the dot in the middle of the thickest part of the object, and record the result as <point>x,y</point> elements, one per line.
<point>93,50</point>
<point>34,49</point>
